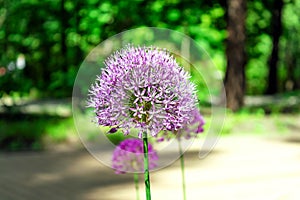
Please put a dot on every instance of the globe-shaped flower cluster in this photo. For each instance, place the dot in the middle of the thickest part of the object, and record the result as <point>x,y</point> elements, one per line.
<point>143,88</point>
<point>128,156</point>
<point>188,131</point>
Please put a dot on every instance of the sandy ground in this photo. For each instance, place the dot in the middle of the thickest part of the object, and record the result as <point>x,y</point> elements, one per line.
<point>240,167</point>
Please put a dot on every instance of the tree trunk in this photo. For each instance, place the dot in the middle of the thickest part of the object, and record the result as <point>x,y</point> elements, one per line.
<point>78,51</point>
<point>276,33</point>
<point>63,45</point>
<point>236,55</point>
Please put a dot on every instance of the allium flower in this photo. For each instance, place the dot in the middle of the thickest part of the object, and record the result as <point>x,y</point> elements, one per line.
<point>128,156</point>
<point>143,88</point>
<point>194,127</point>
<point>189,130</point>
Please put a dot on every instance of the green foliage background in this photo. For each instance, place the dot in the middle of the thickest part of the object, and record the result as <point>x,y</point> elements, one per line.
<point>56,35</point>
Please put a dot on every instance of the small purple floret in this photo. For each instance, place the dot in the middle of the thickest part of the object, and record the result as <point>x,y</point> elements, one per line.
<point>113,130</point>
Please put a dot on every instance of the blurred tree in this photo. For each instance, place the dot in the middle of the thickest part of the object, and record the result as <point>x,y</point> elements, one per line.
<point>258,46</point>
<point>290,43</point>
<point>63,30</point>
<point>56,35</point>
<point>276,30</point>
<point>235,52</point>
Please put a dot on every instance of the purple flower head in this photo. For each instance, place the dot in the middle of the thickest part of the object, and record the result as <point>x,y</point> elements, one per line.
<point>128,156</point>
<point>194,127</point>
<point>143,88</point>
<point>189,130</point>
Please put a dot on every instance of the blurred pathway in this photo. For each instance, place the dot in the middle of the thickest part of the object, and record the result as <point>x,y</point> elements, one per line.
<point>243,168</point>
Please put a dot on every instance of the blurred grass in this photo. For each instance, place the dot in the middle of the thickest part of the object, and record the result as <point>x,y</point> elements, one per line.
<point>37,133</point>
<point>40,132</point>
<point>32,132</point>
<point>278,114</point>
<point>260,124</point>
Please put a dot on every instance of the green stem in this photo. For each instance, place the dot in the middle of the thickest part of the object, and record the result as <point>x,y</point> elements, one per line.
<point>182,170</point>
<point>146,167</point>
<point>136,182</point>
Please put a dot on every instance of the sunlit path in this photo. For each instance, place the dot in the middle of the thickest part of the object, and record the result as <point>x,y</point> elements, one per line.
<point>240,167</point>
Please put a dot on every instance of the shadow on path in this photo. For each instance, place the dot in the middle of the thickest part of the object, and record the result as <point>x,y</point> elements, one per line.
<point>67,175</point>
